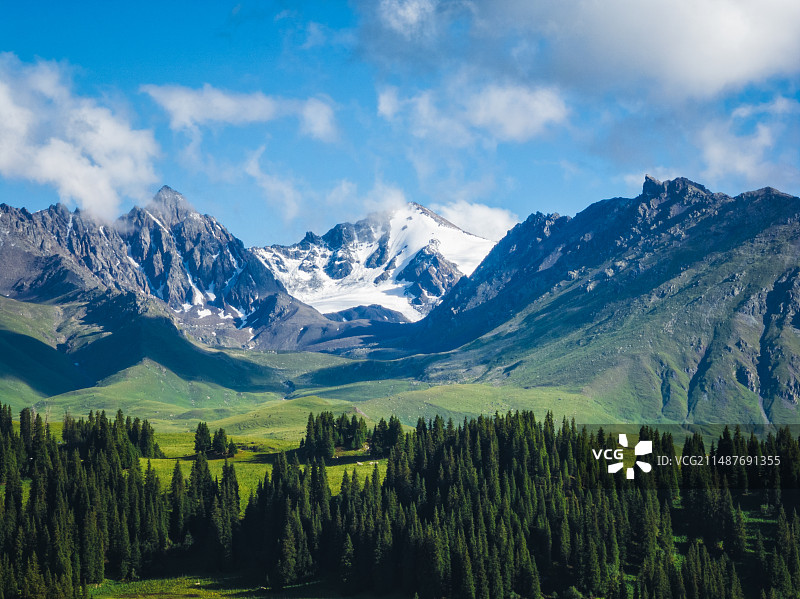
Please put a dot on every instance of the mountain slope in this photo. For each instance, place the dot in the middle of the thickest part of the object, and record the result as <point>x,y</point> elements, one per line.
<point>405,261</point>
<point>119,350</point>
<point>678,305</point>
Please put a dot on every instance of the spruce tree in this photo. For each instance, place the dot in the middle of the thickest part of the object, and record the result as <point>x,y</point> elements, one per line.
<point>33,584</point>
<point>593,578</point>
<point>462,582</point>
<point>310,445</point>
<point>346,566</point>
<point>220,443</point>
<point>26,429</point>
<point>93,566</point>
<point>177,499</point>
<point>287,560</point>
<point>564,542</point>
<point>738,544</point>
<point>202,438</point>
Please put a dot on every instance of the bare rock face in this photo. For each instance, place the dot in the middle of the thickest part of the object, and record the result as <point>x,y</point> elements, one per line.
<point>190,260</point>
<point>215,288</point>
<point>54,252</point>
<point>431,276</point>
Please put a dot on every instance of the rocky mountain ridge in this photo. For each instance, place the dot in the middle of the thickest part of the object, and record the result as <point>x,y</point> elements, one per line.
<point>215,287</point>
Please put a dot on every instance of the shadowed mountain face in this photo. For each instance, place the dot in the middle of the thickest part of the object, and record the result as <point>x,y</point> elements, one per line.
<point>680,304</point>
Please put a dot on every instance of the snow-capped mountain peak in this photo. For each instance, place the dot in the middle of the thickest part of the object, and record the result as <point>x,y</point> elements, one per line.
<point>404,260</point>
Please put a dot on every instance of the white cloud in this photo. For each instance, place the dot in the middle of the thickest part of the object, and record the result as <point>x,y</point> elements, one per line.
<point>294,198</point>
<point>667,48</point>
<point>344,193</point>
<point>345,196</point>
<point>755,146</point>
<point>450,180</point>
<point>389,103</point>
<point>384,197</point>
<point>693,48</point>
<point>780,106</point>
<point>514,112</point>
<point>407,17</point>
<point>318,120</point>
<point>478,219</point>
<point>726,153</point>
<point>468,112</point>
<point>570,169</point>
<point>445,127</point>
<point>279,191</point>
<point>628,82</point>
<point>191,108</point>
<point>318,35</point>
<point>51,136</point>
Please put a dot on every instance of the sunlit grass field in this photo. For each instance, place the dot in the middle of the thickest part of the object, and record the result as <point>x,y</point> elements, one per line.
<point>253,461</point>
<point>211,588</point>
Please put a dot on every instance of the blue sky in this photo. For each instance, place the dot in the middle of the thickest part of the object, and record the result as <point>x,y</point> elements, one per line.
<point>283,117</point>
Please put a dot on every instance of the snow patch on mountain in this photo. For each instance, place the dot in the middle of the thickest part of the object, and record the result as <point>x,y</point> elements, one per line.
<point>405,261</point>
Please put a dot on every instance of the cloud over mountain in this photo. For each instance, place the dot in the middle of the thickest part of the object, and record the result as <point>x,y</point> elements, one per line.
<point>50,135</point>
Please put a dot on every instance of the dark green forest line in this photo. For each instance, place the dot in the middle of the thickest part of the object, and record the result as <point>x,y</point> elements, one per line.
<point>498,507</point>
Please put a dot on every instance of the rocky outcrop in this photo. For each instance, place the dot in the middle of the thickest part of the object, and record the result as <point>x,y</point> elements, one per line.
<point>431,276</point>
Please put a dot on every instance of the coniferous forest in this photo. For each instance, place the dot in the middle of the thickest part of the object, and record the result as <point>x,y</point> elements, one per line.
<point>497,507</point>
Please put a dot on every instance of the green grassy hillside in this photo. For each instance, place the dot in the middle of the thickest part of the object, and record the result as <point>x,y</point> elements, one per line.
<point>175,383</point>
<point>30,365</point>
<point>458,401</point>
<point>104,355</point>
